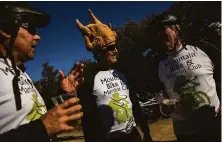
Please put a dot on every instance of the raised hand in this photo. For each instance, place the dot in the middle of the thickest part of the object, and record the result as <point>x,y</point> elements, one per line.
<point>56,119</point>
<point>97,35</point>
<point>70,83</point>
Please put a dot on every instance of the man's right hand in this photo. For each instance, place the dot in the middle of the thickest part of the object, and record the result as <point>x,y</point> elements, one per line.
<point>56,119</point>
<point>70,83</point>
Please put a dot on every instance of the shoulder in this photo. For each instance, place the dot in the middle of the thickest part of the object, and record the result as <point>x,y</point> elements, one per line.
<point>207,47</point>
<point>5,69</point>
<point>3,64</point>
<point>27,75</point>
<point>119,73</point>
<point>198,49</point>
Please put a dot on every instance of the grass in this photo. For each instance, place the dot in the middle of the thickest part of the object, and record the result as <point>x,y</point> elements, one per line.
<point>161,130</point>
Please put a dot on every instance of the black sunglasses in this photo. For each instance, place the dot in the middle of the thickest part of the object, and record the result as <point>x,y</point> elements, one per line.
<point>109,48</point>
<point>30,29</point>
<point>161,28</point>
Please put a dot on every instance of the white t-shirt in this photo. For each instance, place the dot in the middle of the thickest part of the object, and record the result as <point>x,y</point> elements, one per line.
<point>112,98</point>
<point>188,75</point>
<point>33,106</point>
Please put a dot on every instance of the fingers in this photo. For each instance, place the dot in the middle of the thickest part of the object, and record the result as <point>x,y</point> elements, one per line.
<point>79,76</point>
<point>73,109</point>
<point>76,116</point>
<point>70,110</point>
<point>69,102</point>
<point>81,73</point>
<point>70,115</point>
<point>71,79</point>
<point>56,119</point>
<point>76,75</point>
<point>76,66</point>
<point>63,121</point>
<point>66,127</point>
<point>77,72</point>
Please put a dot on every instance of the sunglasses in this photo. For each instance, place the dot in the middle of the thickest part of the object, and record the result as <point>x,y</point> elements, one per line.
<point>30,29</point>
<point>161,29</point>
<point>109,48</point>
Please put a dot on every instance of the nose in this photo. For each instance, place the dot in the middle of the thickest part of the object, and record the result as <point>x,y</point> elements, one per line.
<point>36,38</point>
<point>115,50</point>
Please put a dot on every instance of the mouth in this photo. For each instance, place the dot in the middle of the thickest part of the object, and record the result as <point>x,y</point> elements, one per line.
<point>33,49</point>
<point>113,56</point>
<point>34,46</point>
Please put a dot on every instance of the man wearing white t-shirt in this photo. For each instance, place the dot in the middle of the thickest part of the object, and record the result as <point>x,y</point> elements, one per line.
<point>108,104</point>
<point>186,73</point>
<point>23,115</point>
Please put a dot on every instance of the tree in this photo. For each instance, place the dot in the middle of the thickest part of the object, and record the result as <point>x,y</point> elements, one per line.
<point>196,16</point>
<point>48,85</point>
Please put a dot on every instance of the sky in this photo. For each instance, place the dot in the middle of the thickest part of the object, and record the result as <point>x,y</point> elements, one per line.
<point>62,43</point>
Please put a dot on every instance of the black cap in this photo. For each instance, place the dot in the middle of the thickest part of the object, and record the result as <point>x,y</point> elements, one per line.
<point>159,21</point>
<point>23,13</point>
<point>164,19</point>
<point>168,19</point>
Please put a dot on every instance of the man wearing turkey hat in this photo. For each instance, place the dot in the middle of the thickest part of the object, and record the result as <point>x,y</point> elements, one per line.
<point>108,102</point>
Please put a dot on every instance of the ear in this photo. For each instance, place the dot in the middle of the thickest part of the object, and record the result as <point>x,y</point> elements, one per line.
<point>4,34</point>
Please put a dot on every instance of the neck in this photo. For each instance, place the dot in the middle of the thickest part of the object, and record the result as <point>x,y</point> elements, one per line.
<point>178,44</point>
<point>104,66</point>
<point>16,59</point>
<point>15,55</point>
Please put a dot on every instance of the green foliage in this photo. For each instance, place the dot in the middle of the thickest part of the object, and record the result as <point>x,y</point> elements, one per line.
<point>48,84</point>
<point>195,16</point>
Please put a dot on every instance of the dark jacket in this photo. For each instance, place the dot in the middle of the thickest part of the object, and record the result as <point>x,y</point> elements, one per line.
<point>33,132</point>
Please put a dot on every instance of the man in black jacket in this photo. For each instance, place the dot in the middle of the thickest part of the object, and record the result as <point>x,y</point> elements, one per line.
<point>23,116</point>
